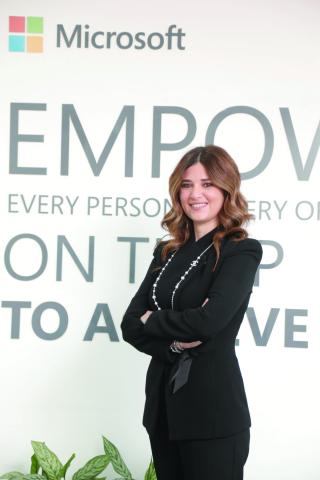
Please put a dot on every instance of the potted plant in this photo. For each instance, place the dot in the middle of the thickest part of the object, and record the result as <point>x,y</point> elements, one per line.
<point>45,465</point>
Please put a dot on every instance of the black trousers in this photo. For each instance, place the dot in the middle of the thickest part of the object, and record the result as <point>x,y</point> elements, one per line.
<point>212,459</point>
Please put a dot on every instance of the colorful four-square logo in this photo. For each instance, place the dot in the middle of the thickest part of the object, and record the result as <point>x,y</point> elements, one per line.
<point>26,34</point>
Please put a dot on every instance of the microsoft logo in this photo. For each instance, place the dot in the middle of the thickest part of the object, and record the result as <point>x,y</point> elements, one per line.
<point>26,34</point>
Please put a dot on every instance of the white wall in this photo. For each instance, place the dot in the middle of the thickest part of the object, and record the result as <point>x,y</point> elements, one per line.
<point>262,55</point>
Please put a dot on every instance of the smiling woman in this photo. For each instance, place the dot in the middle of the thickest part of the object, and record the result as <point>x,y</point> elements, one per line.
<point>213,169</point>
<point>186,315</point>
<point>200,199</point>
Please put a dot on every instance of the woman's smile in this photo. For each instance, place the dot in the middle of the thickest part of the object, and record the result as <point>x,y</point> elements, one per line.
<point>200,200</point>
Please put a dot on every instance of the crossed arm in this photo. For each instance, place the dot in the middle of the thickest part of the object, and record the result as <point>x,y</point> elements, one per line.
<point>181,345</point>
<point>133,328</point>
<point>230,289</point>
<point>134,318</point>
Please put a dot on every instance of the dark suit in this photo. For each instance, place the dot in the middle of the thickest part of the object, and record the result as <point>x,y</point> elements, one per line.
<point>212,403</point>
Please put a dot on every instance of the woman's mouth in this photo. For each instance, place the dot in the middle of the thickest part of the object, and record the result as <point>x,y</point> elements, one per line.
<point>198,205</point>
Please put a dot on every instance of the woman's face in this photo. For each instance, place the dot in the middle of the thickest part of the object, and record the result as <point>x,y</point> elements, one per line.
<point>201,201</point>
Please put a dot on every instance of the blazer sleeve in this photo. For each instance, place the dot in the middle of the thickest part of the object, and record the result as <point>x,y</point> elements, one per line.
<point>131,325</point>
<point>230,289</point>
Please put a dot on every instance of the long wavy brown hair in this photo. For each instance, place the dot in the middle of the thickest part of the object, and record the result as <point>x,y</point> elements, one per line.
<point>224,174</point>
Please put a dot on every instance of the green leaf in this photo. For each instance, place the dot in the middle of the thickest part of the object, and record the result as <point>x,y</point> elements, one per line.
<point>48,461</point>
<point>34,465</point>
<point>92,468</point>
<point>33,476</point>
<point>118,464</point>
<point>150,473</point>
<point>13,476</point>
<point>67,465</point>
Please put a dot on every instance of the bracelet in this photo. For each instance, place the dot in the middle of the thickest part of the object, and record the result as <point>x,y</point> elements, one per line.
<point>176,347</point>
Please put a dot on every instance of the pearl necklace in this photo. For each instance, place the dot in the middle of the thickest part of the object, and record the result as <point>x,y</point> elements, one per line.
<point>193,264</point>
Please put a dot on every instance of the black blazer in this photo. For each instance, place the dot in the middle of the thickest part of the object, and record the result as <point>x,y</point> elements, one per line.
<point>213,402</point>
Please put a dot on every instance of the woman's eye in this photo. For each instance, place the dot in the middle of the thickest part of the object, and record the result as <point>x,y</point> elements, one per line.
<point>207,184</point>
<point>185,185</point>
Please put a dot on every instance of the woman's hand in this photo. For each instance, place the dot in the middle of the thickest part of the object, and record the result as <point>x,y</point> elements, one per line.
<point>186,345</point>
<point>145,316</point>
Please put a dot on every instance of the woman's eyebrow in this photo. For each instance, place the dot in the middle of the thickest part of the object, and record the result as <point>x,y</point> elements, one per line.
<point>201,180</point>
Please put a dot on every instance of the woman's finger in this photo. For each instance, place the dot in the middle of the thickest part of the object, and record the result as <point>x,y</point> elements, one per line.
<point>186,345</point>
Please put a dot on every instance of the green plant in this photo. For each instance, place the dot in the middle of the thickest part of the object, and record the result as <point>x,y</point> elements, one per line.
<point>45,465</point>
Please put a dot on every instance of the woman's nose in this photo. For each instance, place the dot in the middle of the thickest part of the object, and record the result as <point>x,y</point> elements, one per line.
<point>196,191</point>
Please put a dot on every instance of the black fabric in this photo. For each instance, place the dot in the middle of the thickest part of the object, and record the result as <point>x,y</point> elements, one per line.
<point>181,376</point>
<point>214,459</point>
<point>213,402</point>
<point>178,266</point>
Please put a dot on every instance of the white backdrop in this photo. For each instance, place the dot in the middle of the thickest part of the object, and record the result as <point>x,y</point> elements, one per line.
<point>258,62</point>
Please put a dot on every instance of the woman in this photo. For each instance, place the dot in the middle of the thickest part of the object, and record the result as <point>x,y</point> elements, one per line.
<point>186,315</point>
